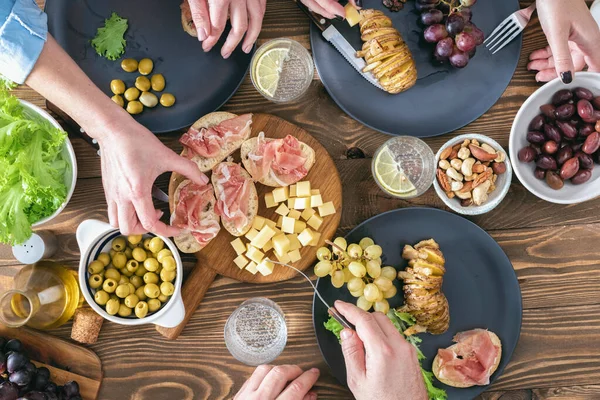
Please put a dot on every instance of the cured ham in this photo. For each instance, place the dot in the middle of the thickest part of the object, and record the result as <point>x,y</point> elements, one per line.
<point>193,212</point>
<point>283,157</point>
<point>208,142</point>
<point>233,188</point>
<point>471,360</point>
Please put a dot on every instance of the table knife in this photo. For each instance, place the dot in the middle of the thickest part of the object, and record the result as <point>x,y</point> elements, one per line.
<point>333,36</point>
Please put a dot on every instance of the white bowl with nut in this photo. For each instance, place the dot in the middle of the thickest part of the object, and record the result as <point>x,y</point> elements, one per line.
<point>473,174</point>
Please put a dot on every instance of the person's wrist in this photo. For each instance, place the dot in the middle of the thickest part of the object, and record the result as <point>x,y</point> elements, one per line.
<point>106,122</point>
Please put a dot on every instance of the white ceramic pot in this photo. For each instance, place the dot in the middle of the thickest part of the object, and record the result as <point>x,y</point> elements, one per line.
<point>95,237</point>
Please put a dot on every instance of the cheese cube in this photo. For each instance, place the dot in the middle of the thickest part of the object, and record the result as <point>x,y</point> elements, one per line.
<point>316,239</point>
<point>248,246</point>
<point>303,189</point>
<point>294,214</point>
<point>251,234</point>
<point>271,223</point>
<point>281,244</point>
<point>291,202</point>
<point>258,222</point>
<point>279,222</point>
<point>283,258</point>
<point>307,213</point>
<point>251,267</point>
<point>315,191</point>
<point>353,17</point>
<point>265,267</point>
<point>301,203</point>
<point>293,191</point>
<point>315,222</point>
<point>294,255</point>
<point>265,234</point>
<point>294,242</point>
<point>299,226</point>
<point>326,209</point>
<point>238,246</point>
<point>305,237</point>
<point>269,201</point>
<point>241,261</point>
<point>280,194</point>
<point>287,224</point>
<point>268,246</point>
<point>255,254</point>
<point>282,210</point>
<point>316,200</point>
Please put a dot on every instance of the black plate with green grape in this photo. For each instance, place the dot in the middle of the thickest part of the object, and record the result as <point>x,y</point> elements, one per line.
<point>480,285</point>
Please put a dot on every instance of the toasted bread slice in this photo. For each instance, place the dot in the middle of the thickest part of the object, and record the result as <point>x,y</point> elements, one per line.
<point>186,19</point>
<point>212,119</point>
<point>271,179</point>
<point>436,364</point>
<point>252,204</point>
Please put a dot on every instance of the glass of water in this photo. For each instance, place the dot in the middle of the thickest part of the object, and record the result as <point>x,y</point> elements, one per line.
<point>256,332</point>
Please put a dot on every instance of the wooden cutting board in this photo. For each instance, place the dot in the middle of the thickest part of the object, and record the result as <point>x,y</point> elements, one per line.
<point>66,361</point>
<point>217,257</point>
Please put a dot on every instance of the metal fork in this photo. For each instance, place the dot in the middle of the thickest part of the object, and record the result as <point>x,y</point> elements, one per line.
<point>509,29</point>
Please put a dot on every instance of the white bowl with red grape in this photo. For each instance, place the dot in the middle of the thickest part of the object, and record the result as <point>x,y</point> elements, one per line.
<point>555,140</point>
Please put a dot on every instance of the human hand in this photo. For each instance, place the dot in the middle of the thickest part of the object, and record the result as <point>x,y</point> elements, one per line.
<point>132,158</point>
<point>573,36</point>
<point>270,383</point>
<point>380,364</point>
<point>329,8</point>
<point>210,17</point>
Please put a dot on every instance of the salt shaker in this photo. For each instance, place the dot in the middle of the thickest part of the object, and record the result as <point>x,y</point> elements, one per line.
<point>41,245</point>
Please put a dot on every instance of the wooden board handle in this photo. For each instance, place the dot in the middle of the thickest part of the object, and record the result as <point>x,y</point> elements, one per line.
<point>192,293</point>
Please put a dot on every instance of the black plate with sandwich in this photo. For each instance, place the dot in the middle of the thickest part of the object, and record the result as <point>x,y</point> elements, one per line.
<point>201,82</point>
<point>479,283</point>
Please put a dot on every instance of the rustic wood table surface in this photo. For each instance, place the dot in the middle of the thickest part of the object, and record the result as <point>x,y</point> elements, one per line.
<point>552,247</point>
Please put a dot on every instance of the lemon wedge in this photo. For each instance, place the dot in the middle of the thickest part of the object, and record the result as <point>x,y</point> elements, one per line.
<point>268,69</point>
<point>390,175</point>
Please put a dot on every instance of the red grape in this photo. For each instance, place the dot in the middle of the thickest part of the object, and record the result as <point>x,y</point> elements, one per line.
<point>444,47</point>
<point>458,59</point>
<point>455,24</point>
<point>465,42</point>
<point>477,34</point>
<point>432,17</point>
<point>435,33</point>
<point>466,14</point>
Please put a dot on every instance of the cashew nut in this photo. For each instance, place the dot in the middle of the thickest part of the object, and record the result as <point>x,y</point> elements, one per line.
<point>469,178</point>
<point>454,174</point>
<point>467,166</point>
<point>475,142</point>
<point>463,196</point>
<point>480,193</point>
<point>464,153</point>
<point>488,148</point>
<point>465,143</point>
<point>444,164</point>
<point>456,164</point>
<point>501,157</point>
<point>455,185</point>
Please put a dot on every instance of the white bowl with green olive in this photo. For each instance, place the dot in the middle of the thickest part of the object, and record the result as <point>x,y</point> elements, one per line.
<point>130,280</point>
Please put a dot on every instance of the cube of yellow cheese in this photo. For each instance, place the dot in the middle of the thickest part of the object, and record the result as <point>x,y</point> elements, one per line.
<point>251,267</point>
<point>281,244</point>
<point>315,191</point>
<point>299,226</point>
<point>294,214</point>
<point>306,236</point>
<point>303,189</point>
<point>287,224</point>
<point>326,209</point>
<point>258,222</point>
<point>315,222</point>
<point>269,201</point>
<point>241,261</point>
<point>282,210</point>
<point>283,258</point>
<point>292,191</point>
<point>251,234</point>
<point>255,254</point>
<point>281,194</point>
<point>268,246</point>
<point>290,203</point>
<point>301,203</point>
<point>279,222</point>
<point>316,239</point>
<point>248,246</point>
<point>316,200</point>
<point>270,223</point>
<point>265,267</point>
<point>307,213</point>
<point>238,246</point>
<point>265,234</point>
<point>294,242</point>
<point>294,255</point>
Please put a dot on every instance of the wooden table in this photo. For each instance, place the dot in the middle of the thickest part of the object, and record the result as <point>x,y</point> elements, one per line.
<point>552,247</point>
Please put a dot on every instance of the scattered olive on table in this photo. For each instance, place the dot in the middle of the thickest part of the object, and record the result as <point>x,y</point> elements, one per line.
<point>158,82</point>
<point>118,99</point>
<point>142,83</point>
<point>145,66</point>
<point>148,99</point>
<point>117,86</point>
<point>134,107</point>
<point>167,100</point>
<point>129,65</point>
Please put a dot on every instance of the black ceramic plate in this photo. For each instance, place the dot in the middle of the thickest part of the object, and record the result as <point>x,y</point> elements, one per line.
<point>480,284</point>
<point>201,82</point>
<point>444,98</point>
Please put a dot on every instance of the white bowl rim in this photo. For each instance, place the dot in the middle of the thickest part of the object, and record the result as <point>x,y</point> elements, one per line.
<point>488,206</point>
<point>589,194</point>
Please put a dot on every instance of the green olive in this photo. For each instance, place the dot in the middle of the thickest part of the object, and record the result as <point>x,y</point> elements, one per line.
<point>158,82</point>
<point>131,94</point>
<point>101,297</point>
<point>141,271</point>
<point>169,264</point>
<point>126,272</point>
<point>122,291</point>
<point>131,288</point>
<point>167,100</point>
<point>141,309</point>
<point>112,253</point>
<point>119,260</point>
<point>119,244</point>
<point>167,288</point>
<point>95,281</point>
<point>134,107</point>
<point>131,300</point>
<point>152,290</point>
<point>128,252</point>
<point>156,244</point>
<point>136,281</point>
<point>150,277</point>
<point>145,66</point>
<point>118,99</point>
<point>104,258</point>
<point>134,239</point>
<point>109,285</point>
<point>147,243</point>
<point>148,99</point>
<point>123,280</point>
<point>117,86</point>
<point>124,311</point>
<point>167,276</point>
<point>112,306</point>
<point>162,254</point>
<point>154,305</point>
<point>132,265</point>
<point>139,254</point>
<point>142,83</point>
<point>129,65</point>
<point>112,273</point>
<point>163,298</point>
<point>139,292</point>
<point>95,267</point>
<point>113,296</point>
<point>151,264</point>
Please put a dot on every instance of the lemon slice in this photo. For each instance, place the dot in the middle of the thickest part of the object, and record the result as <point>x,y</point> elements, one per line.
<point>391,176</point>
<point>268,69</point>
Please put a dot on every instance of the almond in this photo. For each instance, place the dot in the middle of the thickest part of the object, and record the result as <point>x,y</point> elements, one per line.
<point>480,154</point>
<point>446,153</point>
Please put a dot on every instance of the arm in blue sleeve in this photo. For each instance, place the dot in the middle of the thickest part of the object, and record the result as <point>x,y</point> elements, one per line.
<point>23,32</point>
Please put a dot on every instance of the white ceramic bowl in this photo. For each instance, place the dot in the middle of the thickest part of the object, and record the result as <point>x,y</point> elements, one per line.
<point>95,237</point>
<point>68,152</point>
<point>494,198</point>
<point>569,194</point>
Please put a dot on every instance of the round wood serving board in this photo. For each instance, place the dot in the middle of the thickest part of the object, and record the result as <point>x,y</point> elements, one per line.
<point>217,257</point>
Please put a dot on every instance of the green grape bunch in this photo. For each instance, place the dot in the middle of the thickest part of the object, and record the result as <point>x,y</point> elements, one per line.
<point>359,267</point>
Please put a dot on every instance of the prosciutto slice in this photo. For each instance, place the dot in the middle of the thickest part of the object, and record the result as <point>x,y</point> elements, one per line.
<point>471,359</point>
<point>191,212</point>
<point>283,157</point>
<point>233,190</point>
<point>208,142</point>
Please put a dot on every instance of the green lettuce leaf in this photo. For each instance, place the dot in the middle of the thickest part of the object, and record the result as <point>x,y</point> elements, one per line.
<point>109,41</point>
<point>334,327</point>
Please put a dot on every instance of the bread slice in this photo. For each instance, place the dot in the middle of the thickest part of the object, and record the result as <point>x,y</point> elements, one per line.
<point>436,364</point>
<point>252,204</point>
<point>186,19</point>
<point>212,119</point>
<point>186,241</point>
<point>271,179</point>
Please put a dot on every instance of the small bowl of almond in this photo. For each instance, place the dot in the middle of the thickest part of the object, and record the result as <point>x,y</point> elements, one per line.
<point>473,174</point>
